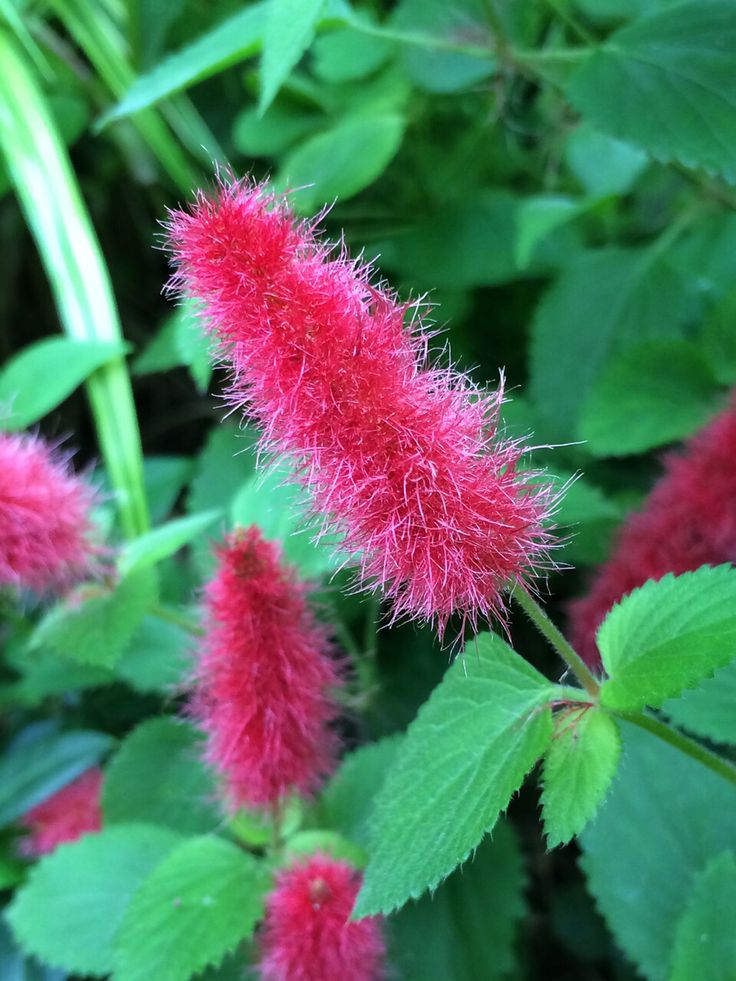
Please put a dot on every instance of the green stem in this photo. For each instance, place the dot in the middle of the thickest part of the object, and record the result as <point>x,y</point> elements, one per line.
<point>685,744</point>
<point>548,629</point>
<point>179,619</point>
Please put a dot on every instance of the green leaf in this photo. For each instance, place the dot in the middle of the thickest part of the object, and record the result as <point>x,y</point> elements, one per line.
<point>666,83</point>
<point>158,777</point>
<point>465,930</point>
<point>707,710</point>
<point>649,395</point>
<point>537,217</point>
<point>602,303</point>
<point>718,339</point>
<point>705,941</point>
<point>34,769</point>
<point>48,673</point>
<point>158,657</point>
<point>577,771</point>
<point>341,161</point>
<point>268,135</point>
<point>164,478</point>
<point>197,905</point>
<point>289,31</point>
<point>602,164</point>
<point>320,842</point>
<point>665,817</point>
<point>223,464</point>
<point>667,636</point>
<point>587,516</point>
<point>469,749</point>
<point>69,910</point>
<point>180,341</point>
<point>94,626</point>
<point>15,967</point>
<point>42,375</point>
<point>346,55</point>
<point>162,542</point>
<point>235,39</point>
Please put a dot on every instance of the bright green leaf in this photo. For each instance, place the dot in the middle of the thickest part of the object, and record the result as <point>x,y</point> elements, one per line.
<point>705,941</point>
<point>649,395</point>
<point>667,636</point>
<point>158,658</point>
<point>164,541</point>
<point>345,55</point>
<point>319,842</point>
<point>70,908</point>
<point>665,817</point>
<point>577,771</point>
<point>469,749</point>
<point>197,905</point>
<point>289,31</point>
<point>666,83</point>
<point>602,164</point>
<point>42,375</point>
<point>158,777</point>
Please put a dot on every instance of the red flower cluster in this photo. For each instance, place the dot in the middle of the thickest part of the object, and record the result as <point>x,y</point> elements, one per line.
<point>65,816</point>
<point>401,457</point>
<point>44,516</point>
<point>688,520</point>
<point>264,677</point>
<point>307,934</point>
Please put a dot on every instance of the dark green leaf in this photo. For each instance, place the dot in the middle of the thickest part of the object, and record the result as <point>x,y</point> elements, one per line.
<point>164,477</point>
<point>705,941</point>
<point>265,136</point>
<point>708,710</point>
<point>537,217</point>
<point>158,658</point>
<point>602,164</point>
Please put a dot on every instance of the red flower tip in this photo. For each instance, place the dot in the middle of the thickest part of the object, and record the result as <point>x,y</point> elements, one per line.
<point>44,517</point>
<point>401,456</point>
<point>688,520</point>
<point>65,816</point>
<point>307,933</point>
<point>263,681</point>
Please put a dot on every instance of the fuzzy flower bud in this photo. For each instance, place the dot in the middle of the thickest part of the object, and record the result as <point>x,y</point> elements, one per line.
<point>400,456</point>
<point>44,517</point>
<point>688,520</point>
<point>307,933</point>
<point>65,816</point>
<point>264,677</point>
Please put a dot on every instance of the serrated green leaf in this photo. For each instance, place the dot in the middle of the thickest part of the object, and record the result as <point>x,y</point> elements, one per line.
<point>42,375</point>
<point>70,908</point>
<point>158,777</point>
<point>667,636</point>
<point>602,164</point>
<point>158,658</point>
<point>466,930</point>
<point>708,710</point>
<point>705,941</point>
<point>33,769</point>
<point>197,905</point>
<point>602,303</point>
<point>94,626</point>
<point>651,394</point>
<point>577,771</point>
<point>665,817</point>
<point>469,749</point>
<point>289,31</point>
<point>666,83</point>
<point>341,161</point>
<point>160,543</point>
<point>15,967</point>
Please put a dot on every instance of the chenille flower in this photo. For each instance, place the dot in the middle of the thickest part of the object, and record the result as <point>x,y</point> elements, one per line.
<point>265,676</point>
<point>400,456</point>
<point>688,520</point>
<point>44,516</point>
<point>65,816</point>
<point>307,934</point>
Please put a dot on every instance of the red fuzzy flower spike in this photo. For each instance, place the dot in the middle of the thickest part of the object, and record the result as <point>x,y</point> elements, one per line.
<point>688,520</point>
<point>264,677</point>
<point>44,517</point>
<point>65,816</point>
<point>307,934</point>
<point>401,457</point>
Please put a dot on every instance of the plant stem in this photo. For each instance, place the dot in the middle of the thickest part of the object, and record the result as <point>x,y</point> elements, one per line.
<point>545,626</point>
<point>179,619</point>
<point>685,744</point>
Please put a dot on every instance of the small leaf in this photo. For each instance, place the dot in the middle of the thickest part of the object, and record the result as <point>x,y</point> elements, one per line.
<point>197,905</point>
<point>466,753</point>
<point>667,636</point>
<point>160,543</point>
<point>34,769</point>
<point>73,902</point>
<point>705,941</point>
<point>537,217</point>
<point>42,375</point>
<point>289,31</point>
<point>96,629</point>
<point>666,83</point>
<point>158,777</point>
<point>180,341</point>
<point>602,164</point>
<point>577,771</point>
<point>651,394</point>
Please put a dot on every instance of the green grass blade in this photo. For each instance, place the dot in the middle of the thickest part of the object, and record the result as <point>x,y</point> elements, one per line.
<point>49,195</point>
